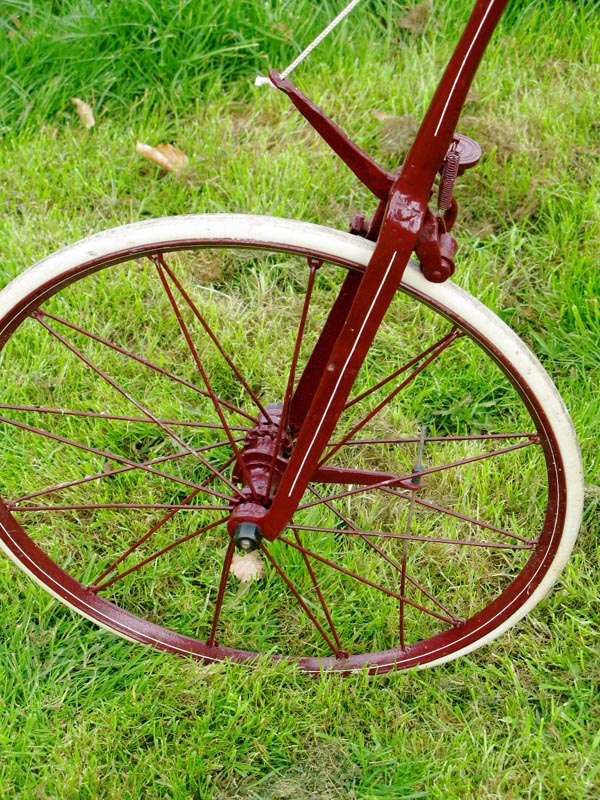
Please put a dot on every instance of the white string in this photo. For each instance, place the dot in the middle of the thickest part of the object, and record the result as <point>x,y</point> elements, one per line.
<point>262,81</point>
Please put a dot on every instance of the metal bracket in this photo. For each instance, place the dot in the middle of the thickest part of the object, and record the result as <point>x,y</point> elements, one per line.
<point>374,177</point>
<point>435,248</point>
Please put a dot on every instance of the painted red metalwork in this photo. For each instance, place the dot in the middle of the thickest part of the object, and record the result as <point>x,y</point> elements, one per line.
<point>407,224</point>
<point>265,454</point>
<point>378,180</point>
<point>281,447</point>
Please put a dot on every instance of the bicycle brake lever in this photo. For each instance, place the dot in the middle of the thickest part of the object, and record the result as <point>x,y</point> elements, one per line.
<point>374,177</point>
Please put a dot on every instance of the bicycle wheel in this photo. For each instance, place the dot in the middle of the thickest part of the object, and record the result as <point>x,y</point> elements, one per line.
<point>141,362</point>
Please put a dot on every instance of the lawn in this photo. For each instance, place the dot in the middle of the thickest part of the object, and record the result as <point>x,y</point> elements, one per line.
<point>86,715</point>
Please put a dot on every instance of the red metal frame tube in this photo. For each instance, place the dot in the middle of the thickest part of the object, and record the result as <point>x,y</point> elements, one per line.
<point>439,124</point>
<point>405,214</point>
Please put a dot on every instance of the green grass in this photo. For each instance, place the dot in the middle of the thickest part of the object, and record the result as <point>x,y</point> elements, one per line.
<point>157,55</point>
<point>83,715</point>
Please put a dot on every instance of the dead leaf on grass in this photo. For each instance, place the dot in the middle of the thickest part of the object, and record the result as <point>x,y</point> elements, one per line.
<point>491,135</point>
<point>165,155</point>
<point>397,133</point>
<point>247,567</point>
<point>415,21</point>
<point>84,112</point>
<point>473,97</point>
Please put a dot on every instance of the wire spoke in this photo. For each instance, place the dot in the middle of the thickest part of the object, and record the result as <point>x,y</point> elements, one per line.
<point>301,602</point>
<point>159,261</point>
<point>107,473</point>
<point>473,437</point>
<point>128,396</point>
<point>388,482</point>
<point>158,258</point>
<point>440,347</point>
<point>287,400</point>
<point>95,506</point>
<point>413,537</point>
<point>157,526</point>
<point>140,360</point>
<point>448,338</point>
<point>211,641</point>
<point>365,536</point>
<point>67,412</point>
<point>338,567</point>
<point>112,456</point>
<point>101,586</point>
<point>527,544</point>
<point>317,588</point>
<point>534,439</point>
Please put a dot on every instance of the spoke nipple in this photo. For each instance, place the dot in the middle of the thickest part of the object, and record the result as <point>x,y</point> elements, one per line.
<point>247,537</point>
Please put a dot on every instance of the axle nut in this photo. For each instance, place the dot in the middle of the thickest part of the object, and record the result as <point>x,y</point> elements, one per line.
<point>247,537</point>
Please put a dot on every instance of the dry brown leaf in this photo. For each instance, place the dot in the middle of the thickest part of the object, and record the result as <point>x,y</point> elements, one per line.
<point>84,112</point>
<point>165,155</point>
<point>382,116</point>
<point>397,133</point>
<point>415,21</point>
<point>247,567</point>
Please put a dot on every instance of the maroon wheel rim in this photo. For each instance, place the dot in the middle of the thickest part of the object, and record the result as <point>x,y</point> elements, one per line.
<point>440,646</point>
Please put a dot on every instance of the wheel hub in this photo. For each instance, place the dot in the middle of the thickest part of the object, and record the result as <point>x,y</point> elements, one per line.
<point>262,462</point>
<point>264,456</point>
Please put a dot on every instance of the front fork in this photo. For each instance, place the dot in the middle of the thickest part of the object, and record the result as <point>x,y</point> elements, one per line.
<point>373,296</point>
<point>406,225</point>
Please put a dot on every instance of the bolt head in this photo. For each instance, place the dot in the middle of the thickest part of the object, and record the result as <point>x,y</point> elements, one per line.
<point>247,537</point>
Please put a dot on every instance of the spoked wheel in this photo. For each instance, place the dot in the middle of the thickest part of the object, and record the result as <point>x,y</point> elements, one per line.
<point>142,366</point>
